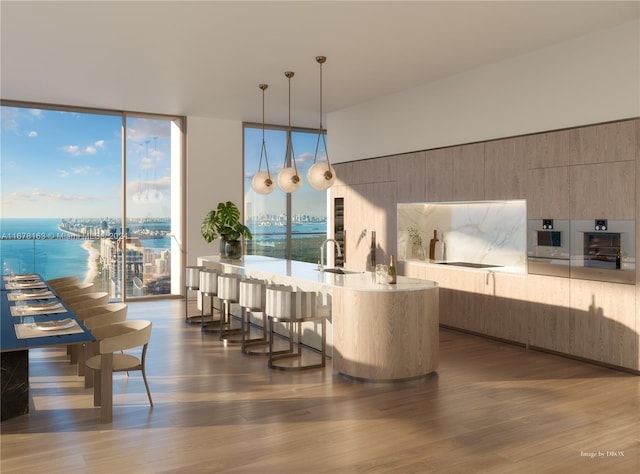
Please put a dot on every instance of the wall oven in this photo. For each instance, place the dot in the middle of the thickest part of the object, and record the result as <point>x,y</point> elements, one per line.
<point>549,247</point>
<point>603,250</point>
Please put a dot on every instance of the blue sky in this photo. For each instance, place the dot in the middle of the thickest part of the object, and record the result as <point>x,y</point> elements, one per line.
<point>67,164</point>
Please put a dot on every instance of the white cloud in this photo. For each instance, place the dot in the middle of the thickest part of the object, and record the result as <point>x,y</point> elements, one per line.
<point>73,149</point>
<point>86,170</point>
<point>33,134</point>
<point>63,173</point>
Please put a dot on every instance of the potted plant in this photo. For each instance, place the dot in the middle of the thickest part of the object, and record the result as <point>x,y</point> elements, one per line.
<point>223,222</point>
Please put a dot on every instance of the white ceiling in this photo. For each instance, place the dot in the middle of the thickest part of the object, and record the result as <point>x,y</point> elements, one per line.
<point>206,58</point>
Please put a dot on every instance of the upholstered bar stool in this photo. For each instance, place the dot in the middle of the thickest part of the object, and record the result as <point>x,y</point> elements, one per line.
<point>292,310</point>
<point>191,282</point>
<point>228,294</point>
<point>209,289</point>
<point>252,303</point>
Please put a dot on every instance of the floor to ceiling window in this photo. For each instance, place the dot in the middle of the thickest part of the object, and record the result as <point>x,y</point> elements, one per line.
<point>283,225</point>
<point>71,177</point>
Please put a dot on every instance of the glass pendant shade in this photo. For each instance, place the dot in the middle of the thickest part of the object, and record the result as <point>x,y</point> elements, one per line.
<point>321,176</point>
<point>289,180</point>
<point>262,183</point>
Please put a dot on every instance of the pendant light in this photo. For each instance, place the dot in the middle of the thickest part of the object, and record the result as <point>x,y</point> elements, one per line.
<point>262,182</point>
<point>321,175</point>
<point>288,179</point>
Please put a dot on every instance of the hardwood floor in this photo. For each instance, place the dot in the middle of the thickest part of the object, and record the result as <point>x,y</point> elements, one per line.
<point>491,408</point>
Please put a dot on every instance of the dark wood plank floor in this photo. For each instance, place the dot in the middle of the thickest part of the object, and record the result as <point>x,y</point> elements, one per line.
<point>491,408</point>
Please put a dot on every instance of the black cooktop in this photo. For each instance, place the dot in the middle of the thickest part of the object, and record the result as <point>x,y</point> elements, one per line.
<point>470,264</point>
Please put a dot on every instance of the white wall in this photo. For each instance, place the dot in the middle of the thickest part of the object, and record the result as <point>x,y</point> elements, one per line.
<point>213,174</point>
<point>595,78</point>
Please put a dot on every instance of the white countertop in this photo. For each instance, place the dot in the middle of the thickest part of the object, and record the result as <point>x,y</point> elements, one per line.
<point>361,281</point>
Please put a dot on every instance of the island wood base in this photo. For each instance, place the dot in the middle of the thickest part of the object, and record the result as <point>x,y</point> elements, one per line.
<point>387,335</point>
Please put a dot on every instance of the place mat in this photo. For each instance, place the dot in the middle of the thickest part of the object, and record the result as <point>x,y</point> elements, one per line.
<point>31,295</point>
<point>25,285</point>
<point>37,308</point>
<point>48,328</point>
<point>24,276</point>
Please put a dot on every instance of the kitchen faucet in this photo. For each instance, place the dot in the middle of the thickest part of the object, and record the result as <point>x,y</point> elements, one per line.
<point>321,265</point>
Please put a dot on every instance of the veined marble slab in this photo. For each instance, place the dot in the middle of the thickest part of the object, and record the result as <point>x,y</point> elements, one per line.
<point>487,232</point>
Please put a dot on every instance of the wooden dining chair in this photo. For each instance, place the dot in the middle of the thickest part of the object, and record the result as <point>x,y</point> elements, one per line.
<point>114,338</point>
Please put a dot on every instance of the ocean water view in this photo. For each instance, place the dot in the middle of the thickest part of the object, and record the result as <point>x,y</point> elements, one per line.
<point>38,245</point>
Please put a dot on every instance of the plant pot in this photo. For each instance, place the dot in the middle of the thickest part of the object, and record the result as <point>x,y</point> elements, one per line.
<point>232,249</point>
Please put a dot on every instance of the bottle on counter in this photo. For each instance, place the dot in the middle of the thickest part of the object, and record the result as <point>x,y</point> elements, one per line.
<point>391,273</point>
<point>432,245</point>
<point>372,251</point>
<point>618,260</point>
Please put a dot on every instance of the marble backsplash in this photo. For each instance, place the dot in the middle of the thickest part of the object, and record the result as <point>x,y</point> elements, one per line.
<point>487,232</point>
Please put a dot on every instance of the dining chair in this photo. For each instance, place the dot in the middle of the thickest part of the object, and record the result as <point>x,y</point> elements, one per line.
<point>78,302</point>
<point>93,317</point>
<point>114,338</point>
<point>74,290</point>
<point>57,284</point>
<point>87,300</point>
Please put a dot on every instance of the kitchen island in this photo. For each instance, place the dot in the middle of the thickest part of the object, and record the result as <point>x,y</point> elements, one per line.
<point>376,332</point>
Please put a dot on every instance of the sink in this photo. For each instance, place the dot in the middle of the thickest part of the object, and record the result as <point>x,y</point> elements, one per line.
<point>339,271</point>
<point>470,264</point>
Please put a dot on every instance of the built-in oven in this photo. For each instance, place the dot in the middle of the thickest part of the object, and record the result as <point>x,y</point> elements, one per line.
<point>549,247</point>
<point>603,250</point>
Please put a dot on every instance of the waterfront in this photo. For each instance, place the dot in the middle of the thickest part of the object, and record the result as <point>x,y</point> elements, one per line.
<point>42,246</point>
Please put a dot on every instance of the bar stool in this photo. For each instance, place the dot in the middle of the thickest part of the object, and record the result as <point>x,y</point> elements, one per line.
<point>208,284</point>
<point>292,308</point>
<point>191,282</point>
<point>252,301</point>
<point>228,294</point>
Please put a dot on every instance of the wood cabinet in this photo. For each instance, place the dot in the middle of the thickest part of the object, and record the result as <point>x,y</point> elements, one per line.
<point>412,183</point>
<point>548,150</point>
<point>583,173</point>
<point>548,193</point>
<point>604,143</point>
<point>467,168</point>
<point>551,321</point>
<point>606,322</point>
<point>505,169</point>
<point>603,190</point>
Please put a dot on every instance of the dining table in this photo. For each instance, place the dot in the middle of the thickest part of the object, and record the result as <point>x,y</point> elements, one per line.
<point>32,315</point>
